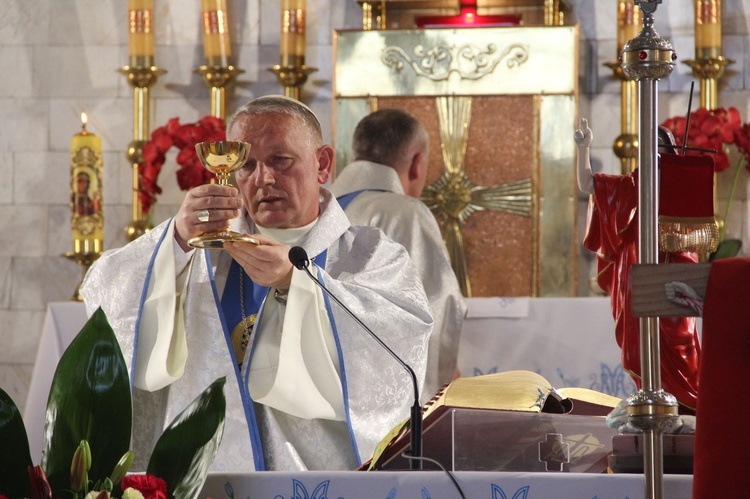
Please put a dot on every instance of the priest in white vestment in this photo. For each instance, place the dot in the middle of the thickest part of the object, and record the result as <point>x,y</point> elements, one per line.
<point>381,188</point>
<point>307,388</point>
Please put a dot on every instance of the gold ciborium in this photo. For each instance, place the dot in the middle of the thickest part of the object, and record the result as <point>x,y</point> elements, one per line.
<point>221,158</point>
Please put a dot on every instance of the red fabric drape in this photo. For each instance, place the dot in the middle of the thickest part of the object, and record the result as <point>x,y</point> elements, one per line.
<point>612,234</point>
<point>721,439</point>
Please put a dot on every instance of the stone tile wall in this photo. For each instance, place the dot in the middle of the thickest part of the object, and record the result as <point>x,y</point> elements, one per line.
<point>60,58</point>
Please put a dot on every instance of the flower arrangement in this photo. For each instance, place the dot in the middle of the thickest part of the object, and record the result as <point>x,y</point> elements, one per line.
<point>717,129</point>
<point>87,434</point>
<point>184,137</point>
<point>710,130</point>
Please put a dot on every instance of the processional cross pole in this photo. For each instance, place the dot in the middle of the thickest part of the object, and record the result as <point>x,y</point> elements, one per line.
<point>646,59</point>
<point>453,198</point>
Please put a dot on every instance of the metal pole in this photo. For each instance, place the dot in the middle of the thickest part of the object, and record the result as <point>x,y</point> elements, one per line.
<point>648,252</point>
<point>647,58</point>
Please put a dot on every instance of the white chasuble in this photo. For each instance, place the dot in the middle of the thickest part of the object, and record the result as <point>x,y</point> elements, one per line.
<point>293,367</point>
<point>372,275</point>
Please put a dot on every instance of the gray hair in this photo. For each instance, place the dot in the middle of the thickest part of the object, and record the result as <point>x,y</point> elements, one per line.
<point>384,136</point>
<point>278,104</point>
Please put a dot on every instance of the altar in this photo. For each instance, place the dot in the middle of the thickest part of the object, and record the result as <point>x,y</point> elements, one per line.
<point>569,341</point>
<point>434,484</point>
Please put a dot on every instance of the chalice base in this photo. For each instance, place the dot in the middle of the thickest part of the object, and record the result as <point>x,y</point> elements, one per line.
<point>216,240</point>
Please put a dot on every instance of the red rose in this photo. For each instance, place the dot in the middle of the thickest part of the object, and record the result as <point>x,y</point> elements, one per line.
<point>212,123</point>
<point>161,140</point>
<point>183,136</point>
<point>172,125</point>
<point>710,130</point>
<point>150,486</point>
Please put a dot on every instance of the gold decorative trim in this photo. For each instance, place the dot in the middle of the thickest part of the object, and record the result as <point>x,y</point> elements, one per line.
<point>552,196</point>
<point>468,61</point>
<point>680,234</point>
<point>532,54</point>
<point>453,198</point>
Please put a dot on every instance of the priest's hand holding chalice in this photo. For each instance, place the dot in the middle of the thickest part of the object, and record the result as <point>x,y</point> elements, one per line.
<point>206,211</point>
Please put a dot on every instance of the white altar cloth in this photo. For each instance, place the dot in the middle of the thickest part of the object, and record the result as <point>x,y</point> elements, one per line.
<point>62,323</point>
<point>569,341</point>
<point>437,485</point>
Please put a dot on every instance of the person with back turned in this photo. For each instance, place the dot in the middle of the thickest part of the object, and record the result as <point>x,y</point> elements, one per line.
<point>381,188</point>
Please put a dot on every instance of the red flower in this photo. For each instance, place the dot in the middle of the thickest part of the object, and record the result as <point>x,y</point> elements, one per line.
<point>711,130</point>
<point>191,172</point>
<point>150,486</point>
<point>40,487</point>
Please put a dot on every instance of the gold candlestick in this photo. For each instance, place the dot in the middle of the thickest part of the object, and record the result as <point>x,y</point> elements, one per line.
<point>292,71</point>
<point>709,70</point>
<point>625,147</point>
<point>218,72</point>
<point>292,78</point>
<point>140,78</point>
<point>553,14</point>
<point>218,79</point>
<point>141,74</point>
<point>373,15</point>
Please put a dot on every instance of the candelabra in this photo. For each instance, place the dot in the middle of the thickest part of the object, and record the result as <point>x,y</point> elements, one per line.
<point>292,77</point>
<point>218,72</point>
<point>218,78</point>
<point>708,70</point>
<point>292,72</point>
<point>646,59</point>
<point>140,78</point>
<point>373,15</point>
<point>625,147</point>
<point>553,14</point>
<point>84,259</point>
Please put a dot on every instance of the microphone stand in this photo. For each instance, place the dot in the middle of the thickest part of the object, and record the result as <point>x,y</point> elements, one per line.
<point>298,257</point>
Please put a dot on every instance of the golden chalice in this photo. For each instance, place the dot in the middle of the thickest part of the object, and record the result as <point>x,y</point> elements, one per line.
<point>221,158</point>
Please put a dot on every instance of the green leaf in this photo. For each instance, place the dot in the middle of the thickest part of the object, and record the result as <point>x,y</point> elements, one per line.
<point>15,456</point>
<point>728,248</point>
<point>89,400</point>
<point>186,449</point>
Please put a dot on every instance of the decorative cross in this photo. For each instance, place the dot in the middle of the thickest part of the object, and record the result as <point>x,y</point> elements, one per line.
<point>453,198</point>
<point>554,452</point>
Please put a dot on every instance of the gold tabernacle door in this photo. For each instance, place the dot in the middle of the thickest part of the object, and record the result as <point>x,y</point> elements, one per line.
<point>500,107</point>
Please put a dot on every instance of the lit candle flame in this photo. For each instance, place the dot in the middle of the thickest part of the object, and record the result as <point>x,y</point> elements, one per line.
<point>84,119</point>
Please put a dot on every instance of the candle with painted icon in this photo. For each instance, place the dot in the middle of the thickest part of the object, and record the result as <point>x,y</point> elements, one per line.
<point>292,33</point>
<point>87,219</point>
<point>216,44</point>
<point>707,28</point>
<point>629,22</point>
<point>141,41</point>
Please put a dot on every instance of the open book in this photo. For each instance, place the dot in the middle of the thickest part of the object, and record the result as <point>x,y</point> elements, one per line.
<point>511,410</point>
<point>520,391</point>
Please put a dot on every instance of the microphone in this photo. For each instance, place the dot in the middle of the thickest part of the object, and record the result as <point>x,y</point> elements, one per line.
<point>298,257</point>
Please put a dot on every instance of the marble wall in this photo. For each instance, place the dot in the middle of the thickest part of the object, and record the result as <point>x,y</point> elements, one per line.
<point>60,58</point>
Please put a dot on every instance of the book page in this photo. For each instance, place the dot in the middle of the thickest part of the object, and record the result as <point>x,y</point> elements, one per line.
<point>509,391</point>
